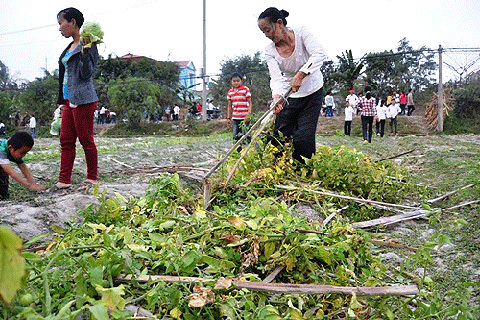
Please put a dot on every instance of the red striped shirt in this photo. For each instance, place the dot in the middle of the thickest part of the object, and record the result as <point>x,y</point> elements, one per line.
<point>240,105</point>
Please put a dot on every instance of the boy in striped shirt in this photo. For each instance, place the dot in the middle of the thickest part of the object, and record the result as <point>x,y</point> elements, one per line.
<point>239,107</point>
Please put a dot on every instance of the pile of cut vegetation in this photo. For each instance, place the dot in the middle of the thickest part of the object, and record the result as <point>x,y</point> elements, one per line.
<point>247,256</point>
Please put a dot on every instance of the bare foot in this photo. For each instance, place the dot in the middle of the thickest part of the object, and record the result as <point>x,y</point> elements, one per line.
<point>61,185</point>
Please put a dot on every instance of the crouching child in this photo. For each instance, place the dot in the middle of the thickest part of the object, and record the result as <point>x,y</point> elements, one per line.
<point>13,150</point>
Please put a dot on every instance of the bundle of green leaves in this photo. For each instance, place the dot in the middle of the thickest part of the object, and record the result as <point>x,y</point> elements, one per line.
<point>91,33</point>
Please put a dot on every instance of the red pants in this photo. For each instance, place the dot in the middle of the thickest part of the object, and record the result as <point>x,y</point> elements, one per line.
<point>77,123</point>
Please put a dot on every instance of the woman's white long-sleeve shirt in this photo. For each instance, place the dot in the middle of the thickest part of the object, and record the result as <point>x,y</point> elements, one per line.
<point>308,57</point>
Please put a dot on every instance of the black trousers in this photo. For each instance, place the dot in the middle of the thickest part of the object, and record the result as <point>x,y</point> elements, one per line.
<point>298,121</point>
<point>3,185</point>
<point>367,123</point>
<point>347,127</point>
<point>410,110</point>
<point>382,127</point>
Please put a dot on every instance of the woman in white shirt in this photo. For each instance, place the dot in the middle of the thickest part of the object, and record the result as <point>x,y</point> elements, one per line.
<point>294,58</point>
<point>382,116</point>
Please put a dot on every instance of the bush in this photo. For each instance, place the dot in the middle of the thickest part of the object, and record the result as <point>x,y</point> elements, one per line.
<point>467,100</point>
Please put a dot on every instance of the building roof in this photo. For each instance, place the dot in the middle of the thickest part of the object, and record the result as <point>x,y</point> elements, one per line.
<point>132,56</point>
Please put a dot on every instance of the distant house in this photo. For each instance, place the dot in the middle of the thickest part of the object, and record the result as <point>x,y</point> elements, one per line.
<point>187,76</point>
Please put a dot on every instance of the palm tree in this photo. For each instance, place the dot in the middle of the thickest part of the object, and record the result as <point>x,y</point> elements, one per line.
<point>348,70</point>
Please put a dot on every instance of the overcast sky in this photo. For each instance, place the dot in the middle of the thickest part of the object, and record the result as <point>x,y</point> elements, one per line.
<point>172,30</point>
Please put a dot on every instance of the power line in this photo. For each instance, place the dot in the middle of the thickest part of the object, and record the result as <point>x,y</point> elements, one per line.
<point>26,30</point>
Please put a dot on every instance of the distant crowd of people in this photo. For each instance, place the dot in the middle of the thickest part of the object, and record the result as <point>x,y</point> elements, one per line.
<point>379,110</point>
<point>105,116</point>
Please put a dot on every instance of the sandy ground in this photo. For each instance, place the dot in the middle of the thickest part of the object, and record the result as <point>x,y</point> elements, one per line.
<point>31,215</point>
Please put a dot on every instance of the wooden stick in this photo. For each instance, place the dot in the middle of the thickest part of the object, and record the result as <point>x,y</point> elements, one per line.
<point>391,244</point>
<point>390,220</point>
<point>289,288</point>
<point>463,204</point>
<point>253,127</point>
<point>272,275</point>
<point>123,164</point>
<point>244,152</point>
<point>396,156</point>
<point>450,193</point>
<point>331,194</point>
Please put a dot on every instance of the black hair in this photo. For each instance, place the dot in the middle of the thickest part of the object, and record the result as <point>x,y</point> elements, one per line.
<point>273,14</point>
<point>236,74</point>
<point>72,13</point>
<point>21,139</point>
<point>368,93</point>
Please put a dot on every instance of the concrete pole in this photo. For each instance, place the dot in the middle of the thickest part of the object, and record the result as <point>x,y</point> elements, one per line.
<point>440,91</point>
<point>204,72</point>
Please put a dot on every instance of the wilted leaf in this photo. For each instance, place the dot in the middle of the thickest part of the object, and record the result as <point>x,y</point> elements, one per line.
<point>176,313</point>
<point>236,221</point>
<point>112,297</point>
<point>200,297</point>
<point>137,247</point>
<point>12,265</point>
<point>223,284</point>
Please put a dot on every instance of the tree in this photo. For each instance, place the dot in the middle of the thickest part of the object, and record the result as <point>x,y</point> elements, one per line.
<point>395,71</point>
<point>348,71</point>
<point>4,76</point>
<point>329,71</point>
<point>5,107</point>
<point>113,71</point>
<point>256,78</point>
<point>467,100</point>
<point>133,97</point>
<point>40,97</point>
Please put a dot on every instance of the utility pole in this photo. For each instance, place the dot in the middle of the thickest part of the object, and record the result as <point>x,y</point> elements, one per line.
<point>440,91</point>
<point>204,69</point>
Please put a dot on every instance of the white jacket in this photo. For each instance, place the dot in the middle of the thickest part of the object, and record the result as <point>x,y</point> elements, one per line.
<point>393,111</point>
<point>308,57</point>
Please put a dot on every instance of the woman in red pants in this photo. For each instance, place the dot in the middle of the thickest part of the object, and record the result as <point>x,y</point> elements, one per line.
<point>78,100</point>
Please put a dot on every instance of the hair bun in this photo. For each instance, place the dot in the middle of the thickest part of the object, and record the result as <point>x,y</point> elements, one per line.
<point>285,13</point>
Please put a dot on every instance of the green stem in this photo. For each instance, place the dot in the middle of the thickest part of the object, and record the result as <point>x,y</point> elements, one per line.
<point>198,235</point>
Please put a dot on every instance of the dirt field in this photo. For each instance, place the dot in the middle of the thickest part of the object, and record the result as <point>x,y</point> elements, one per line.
<point>442,162</point>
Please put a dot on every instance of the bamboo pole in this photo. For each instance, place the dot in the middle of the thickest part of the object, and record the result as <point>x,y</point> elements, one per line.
<point>287,288</point>
<point>359,200</point>
<point>253,127</point>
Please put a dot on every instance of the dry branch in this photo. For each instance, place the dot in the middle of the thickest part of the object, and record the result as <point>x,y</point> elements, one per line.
<point>289,288</point>
<point>272,275</point>
<point>391,244</point>
<point>461,205</point>
<point>391,219</point>
<point>396,156</point>
<point>359,200</point>
<point>450,193</point>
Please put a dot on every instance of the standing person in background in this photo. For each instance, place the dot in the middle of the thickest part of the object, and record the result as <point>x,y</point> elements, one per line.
<point>294,58</point>
<point>410,104</point>
<point>382,116</point>
<point>32,123</point>
<point>3,128</point>
<point>330,104</point>
<point>351,98</point>
<point>176,112</point>
<point>347,127</point>
<point>369,112</point>
<point>403,103</point>
<point>239,107</point>
<point>392,112</point>
<point>103,115</point>
<point>389,99</point>
<point>78,100</point>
